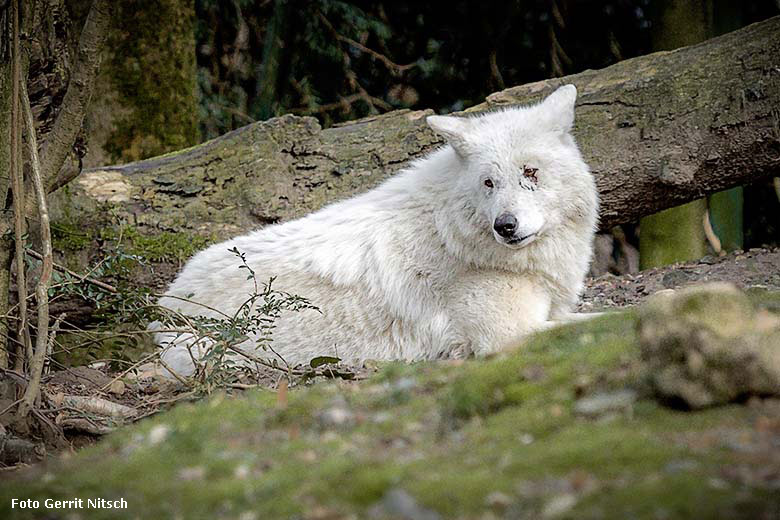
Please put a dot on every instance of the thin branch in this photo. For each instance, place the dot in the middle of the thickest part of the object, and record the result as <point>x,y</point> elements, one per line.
<point>50,344</point>
<point>352,78</point>
<point>495,72</point>
<point>68,123</point>
<point>17,189</point>
<point>42,288</point>
<point>393,67</point>
<point>344,103</point>
<point>80,277</point>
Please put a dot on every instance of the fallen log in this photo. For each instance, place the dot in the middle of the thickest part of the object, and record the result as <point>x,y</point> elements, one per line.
<point>657,130</point>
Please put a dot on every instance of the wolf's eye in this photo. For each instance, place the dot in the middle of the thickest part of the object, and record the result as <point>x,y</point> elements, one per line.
<point>530,173</point>
<point>488,183</point>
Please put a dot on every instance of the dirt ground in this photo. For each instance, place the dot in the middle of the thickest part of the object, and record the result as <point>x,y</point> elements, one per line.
<point>753,268</point>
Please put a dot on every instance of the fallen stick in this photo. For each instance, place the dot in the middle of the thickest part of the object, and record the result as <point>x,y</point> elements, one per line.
<point>98,406</point>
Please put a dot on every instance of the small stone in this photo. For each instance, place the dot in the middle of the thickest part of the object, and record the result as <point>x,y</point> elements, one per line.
<point>405,384</point>
<point>604,403</point>
<point>398,503</point>
<point>158,434</point>
<point>498,500</point>
<point>718,483</point>
<point>675,278</point>
<point>337,417</point>
<point>164,180</point>
<point>381,417</point>
<point>192,473</point>
<point>677,466</point>
<point>559,505</point>
<point>337,414</point>
<point>308,456</point>
<point>117,387</point>
<point>526,438</point>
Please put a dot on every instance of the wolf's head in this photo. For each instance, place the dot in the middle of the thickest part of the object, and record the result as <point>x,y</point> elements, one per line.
<point>521,172</point>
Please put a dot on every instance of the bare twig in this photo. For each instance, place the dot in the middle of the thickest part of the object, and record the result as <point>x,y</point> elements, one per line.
<point>81,278</point>
<point>495,72</point>
<point>135,365</point>
<point>50,344</point>
<point>172,372</point>
<point>42,288</point>
<point>98,406</point>
<point>352,78</point>
<point>85,425</point>
<point>9,407</point>
<point>393,67</point>
<point>344,103</point>
<point>19,377</point>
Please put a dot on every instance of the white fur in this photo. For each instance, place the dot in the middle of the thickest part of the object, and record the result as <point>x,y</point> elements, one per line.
<point>413,269</point>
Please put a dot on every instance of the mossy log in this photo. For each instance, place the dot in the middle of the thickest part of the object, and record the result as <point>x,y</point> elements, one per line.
<point>657,130</point>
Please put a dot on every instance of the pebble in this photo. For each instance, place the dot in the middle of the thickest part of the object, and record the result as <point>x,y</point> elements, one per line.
<point>158,434</point>
<point>498,500</point>
<point>559,505</point>
<point>398,503</point>
<point>603,403</point>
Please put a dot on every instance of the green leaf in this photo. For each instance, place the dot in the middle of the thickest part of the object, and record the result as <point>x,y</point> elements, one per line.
<point>323,360</point>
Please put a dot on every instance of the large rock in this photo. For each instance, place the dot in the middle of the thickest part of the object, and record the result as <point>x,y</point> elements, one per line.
<point>709,345</point>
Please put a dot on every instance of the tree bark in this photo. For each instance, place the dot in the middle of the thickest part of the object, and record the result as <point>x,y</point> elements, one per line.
<point>657,131</point>
<point>145,101</point>
<point>676,234</point>
<point>67,125</point>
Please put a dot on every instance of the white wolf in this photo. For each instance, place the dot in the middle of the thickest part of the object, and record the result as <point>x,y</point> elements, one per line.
<point>466,251</point>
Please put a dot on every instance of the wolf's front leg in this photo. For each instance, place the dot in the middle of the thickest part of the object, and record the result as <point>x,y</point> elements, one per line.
<point>497,311</point>
<point>569,317</point>
<point>561,313</point>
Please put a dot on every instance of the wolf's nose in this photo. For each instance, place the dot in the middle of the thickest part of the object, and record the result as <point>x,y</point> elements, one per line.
<point>505,225</point>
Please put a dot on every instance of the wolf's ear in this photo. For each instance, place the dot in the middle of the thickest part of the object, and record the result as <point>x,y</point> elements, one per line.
<point>454,130</point>
<point>559,107</point>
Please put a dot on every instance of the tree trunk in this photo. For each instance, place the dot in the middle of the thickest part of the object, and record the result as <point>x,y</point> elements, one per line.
<point>672,235</point>
<point>145,100</point>
<point>57,98</point>
<point>268,73</point>
<point>677,234</point>
<point>657,131</point>
<point>726,208</point>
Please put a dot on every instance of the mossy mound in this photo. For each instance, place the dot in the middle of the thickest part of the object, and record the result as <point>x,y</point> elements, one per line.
<point>708,345</point>
<point>505,437</point>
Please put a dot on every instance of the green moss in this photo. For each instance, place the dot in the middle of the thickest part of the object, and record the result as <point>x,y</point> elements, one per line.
<point>164,246</point>
<point>586,347</point>
<point>67,236</point>
<point>687,494</point>
<point>449,435</point>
